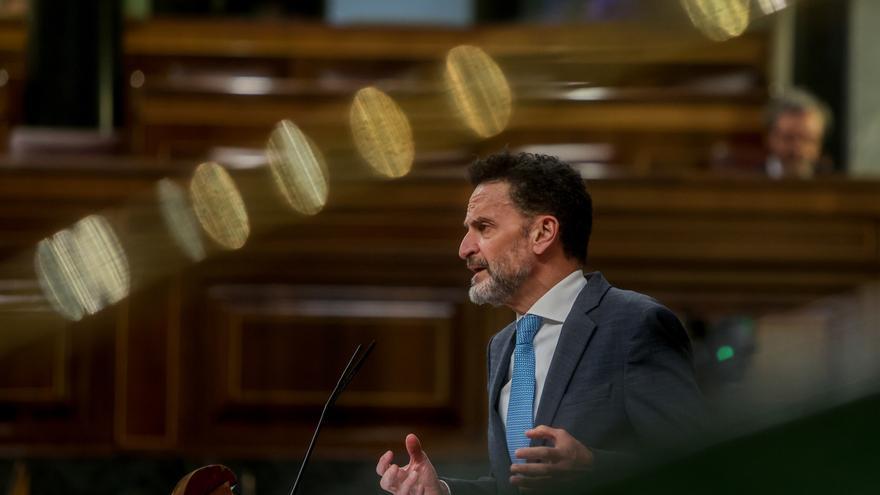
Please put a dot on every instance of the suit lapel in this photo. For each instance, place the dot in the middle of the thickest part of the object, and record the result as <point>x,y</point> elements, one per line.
<point>500,352</point>
<point>499,373</point>
<point>573,340</point>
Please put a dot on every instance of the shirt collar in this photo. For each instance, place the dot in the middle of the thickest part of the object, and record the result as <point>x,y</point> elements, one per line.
<point>556,303</point>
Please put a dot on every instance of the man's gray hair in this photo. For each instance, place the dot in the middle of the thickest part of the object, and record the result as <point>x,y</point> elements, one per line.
<point>796,100</point>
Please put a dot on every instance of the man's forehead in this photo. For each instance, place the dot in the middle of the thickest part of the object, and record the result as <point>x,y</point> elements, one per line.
<point>807,119</point>
<point>489,195</point>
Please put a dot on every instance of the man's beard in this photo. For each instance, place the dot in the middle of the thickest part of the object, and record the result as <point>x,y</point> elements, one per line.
<point>503,282</point>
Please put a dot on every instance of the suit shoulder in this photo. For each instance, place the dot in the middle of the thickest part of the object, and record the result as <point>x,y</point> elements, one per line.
<point>632,302</point>
<point>637,314</point>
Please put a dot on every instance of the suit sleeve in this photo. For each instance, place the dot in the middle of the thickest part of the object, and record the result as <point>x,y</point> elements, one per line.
<point>662,399</point>
<point>483,486</point>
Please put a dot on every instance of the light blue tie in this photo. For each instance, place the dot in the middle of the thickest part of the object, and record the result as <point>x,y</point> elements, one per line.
<point>522,387</point>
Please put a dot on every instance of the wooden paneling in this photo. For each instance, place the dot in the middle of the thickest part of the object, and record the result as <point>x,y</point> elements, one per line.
<point>273,352</point>
<point>271,347</point>
<point>658,98</point>
<point>56,393</point>
<point>13,41</point>
<point>273,359</point>
<point>230,38</point>
<point>696,238</point>
<point>148,369</point>
<point>31,337</point>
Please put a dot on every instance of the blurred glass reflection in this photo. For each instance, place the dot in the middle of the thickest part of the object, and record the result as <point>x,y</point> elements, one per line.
<point>219,206</point>
<point>83,269</point>
<point>298,168</point>
<point>479,90</point>
<point>180,219</point>
<point>382,133</point>
<point>719,20</point>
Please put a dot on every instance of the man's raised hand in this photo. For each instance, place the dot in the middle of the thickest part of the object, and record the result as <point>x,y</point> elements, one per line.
<point>418,477</point>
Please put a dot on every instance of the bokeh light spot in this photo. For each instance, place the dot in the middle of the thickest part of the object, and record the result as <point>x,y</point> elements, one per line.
<point>137,79</point>
<point>382,133</point>
<point>724,353</point>
<point>180,219</point>
<point>54,281</point>
<point>479,90</point>
<point>771,6</point>
<point>102,259</point>
<point>719,20</point>
<point>298,168</point>
<point>83,269</point>
<point>66,250</point>
<point>219,206</point>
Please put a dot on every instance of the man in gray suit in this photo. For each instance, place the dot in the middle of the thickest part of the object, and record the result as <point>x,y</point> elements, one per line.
<point>588,376</point>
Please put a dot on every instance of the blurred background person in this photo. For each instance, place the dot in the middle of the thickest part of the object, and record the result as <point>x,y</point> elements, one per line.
<point>797,123</point>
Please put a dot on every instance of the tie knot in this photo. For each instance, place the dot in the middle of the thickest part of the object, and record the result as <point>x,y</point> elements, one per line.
<point>526,328</point>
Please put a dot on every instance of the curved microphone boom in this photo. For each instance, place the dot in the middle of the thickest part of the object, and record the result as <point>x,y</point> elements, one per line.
<point>354,364</point>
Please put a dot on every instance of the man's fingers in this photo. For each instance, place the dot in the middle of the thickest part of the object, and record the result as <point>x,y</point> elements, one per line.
<point>544,432</point>
<point>535,454</point>
<point>410,479</point>
<point>406,487</point>
<point>384,462</point>
<point>414,448</point>
<point>534,469</point>
<point>389,480</point>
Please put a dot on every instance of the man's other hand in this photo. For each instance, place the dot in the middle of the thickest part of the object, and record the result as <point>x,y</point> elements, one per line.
<point>416,478</point>
<point>547,467</point>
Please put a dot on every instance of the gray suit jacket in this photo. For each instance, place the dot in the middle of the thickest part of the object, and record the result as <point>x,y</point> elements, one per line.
<point>621,381</point>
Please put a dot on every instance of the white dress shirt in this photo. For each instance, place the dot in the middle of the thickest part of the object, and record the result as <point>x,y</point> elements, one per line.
<point>553,307</point>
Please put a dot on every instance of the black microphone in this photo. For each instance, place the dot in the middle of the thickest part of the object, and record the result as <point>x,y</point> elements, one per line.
<point>354,364</point>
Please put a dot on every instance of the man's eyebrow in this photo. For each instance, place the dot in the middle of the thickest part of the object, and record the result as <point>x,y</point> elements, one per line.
<point>478,220</point>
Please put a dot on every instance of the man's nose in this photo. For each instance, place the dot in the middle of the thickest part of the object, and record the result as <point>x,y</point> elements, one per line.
<point>467,246</point>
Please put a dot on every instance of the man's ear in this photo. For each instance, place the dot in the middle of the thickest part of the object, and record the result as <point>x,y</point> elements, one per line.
<point>544,233</point>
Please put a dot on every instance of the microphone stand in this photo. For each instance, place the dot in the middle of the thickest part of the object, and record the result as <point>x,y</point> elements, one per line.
<point>220,480</point>
<point>354,364</point>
